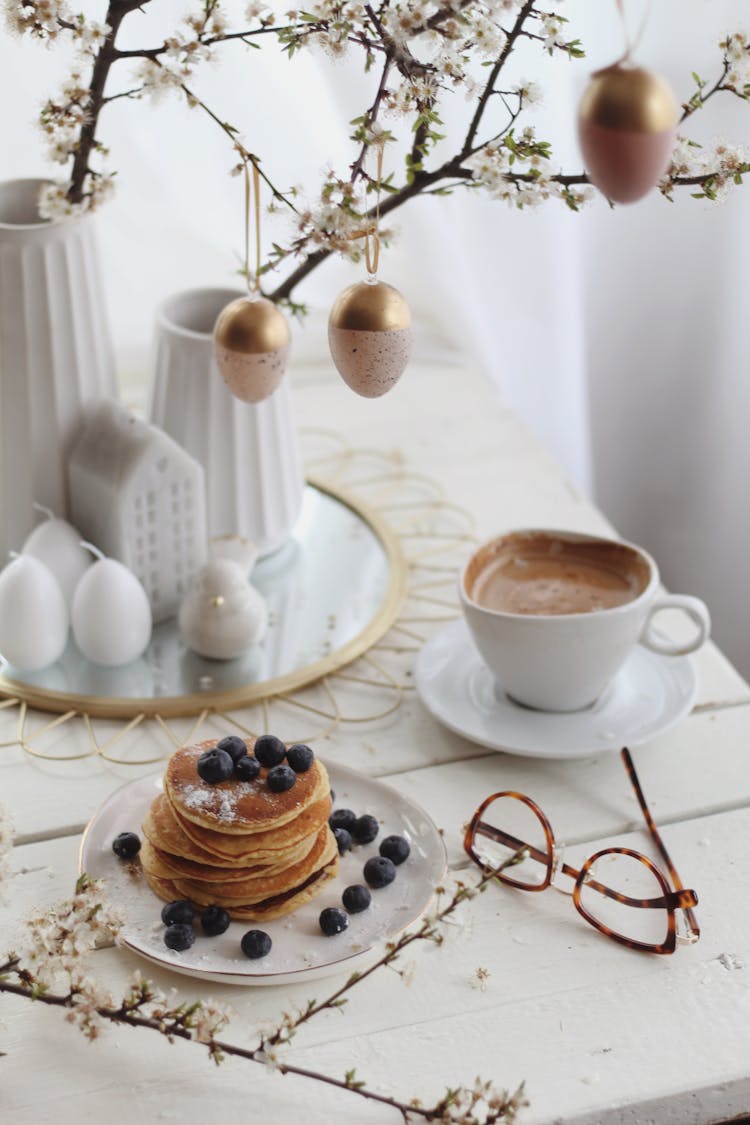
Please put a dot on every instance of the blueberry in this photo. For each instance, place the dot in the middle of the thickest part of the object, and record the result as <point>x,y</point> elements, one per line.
<point>300,757</point>
<point>179,937</point>
<point>215,765</point>
<point>395,848</point>
<point>342,818</point>
<point>333,921</point>
<point>281,778</point>
<point>365,829</point>
<point>343,839</point>
<point>270,750</point>
<point>179,913</point>
<point>234,746</point>
<point>256,943</point>
<point>379,871</point>
<point>356,898</point>
<point>214,920</point>
<point>247,768</point>
<point>126,845</point>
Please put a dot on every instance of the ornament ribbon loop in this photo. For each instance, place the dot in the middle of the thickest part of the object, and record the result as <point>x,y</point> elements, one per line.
<point>254,287</point>
<point>372,249</point>
<point>631,44</point>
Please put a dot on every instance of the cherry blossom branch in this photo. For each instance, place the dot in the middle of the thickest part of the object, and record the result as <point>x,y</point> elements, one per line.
<point>426,49</point>
<point>494,74</point>
<point>71,930</point>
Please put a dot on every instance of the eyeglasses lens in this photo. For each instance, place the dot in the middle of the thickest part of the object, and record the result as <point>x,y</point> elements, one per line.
<point>510,832</point>
<point>634,880</point>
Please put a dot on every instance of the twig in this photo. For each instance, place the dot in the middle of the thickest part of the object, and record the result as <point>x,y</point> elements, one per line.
<point>179,1022</point>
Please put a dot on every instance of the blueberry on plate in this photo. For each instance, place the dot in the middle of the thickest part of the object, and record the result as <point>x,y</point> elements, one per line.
<point>395,848</point>
<point>342,818</point>
<point>365,829</point>
<point>178,913</point>
<point>333,921</point>
<point>126,845</point>
<point>343,840</point>
<point>179,937</point>
<point>247,768</point>
<point>215,765</point>
<point>356,898</point>
<point>300,757</point>
<point>234,746</point>
<point>379,871</point>
<point>255,944</point>
<point>270,750</point>
<point>214,920</point>
<point>280,778</point>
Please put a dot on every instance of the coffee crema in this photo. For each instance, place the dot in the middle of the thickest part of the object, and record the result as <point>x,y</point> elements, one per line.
<point>542,574</point>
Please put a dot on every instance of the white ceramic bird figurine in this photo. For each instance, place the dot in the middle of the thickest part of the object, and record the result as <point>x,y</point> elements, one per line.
<point>222,615</point>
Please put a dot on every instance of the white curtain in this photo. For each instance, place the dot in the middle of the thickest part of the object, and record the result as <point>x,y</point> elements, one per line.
<point>617,334</point>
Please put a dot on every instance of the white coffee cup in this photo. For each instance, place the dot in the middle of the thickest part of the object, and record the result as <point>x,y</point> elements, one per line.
<point>555,614</point>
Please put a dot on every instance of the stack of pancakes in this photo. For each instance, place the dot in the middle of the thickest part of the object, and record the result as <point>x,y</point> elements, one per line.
<point>236,844</point>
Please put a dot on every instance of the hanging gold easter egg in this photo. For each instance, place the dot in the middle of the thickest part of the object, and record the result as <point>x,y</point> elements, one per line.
<point>627,124</point>
<point>369,334</point>
<point>251,343</point>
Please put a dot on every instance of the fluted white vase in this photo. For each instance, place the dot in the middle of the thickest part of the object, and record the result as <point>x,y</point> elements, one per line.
<point>56,354</point>
<point>250,452</point>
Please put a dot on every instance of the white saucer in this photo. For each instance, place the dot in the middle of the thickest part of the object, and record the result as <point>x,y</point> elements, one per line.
<point>650,694</point>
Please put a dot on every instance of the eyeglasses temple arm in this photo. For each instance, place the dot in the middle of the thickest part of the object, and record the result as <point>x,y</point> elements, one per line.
<point>630,767</point>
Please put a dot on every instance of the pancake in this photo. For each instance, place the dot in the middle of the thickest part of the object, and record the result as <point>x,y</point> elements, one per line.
<point>257,845</point>
<point>167,866</point>
<point>166,832</point>
<point>275,907</point>
<point>257,888</point>
<point>238,808</point>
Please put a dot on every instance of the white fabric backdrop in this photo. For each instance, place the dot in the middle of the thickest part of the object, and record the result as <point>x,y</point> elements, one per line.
<point>618,335</point>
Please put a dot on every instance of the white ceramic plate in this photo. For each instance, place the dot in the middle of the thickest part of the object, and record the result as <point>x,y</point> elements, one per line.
<point>300,950</point>
<point>650,694</point>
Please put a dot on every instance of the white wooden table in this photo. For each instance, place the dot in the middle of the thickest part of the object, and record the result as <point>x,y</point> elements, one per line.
<point>597,1032</point>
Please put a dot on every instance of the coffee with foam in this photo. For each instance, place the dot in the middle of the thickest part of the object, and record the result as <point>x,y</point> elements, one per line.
<point>543,574</point>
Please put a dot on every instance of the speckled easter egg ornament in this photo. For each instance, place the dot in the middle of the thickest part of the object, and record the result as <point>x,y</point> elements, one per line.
<point>369,329</point>
<point>369,334</point>
<point>627,123</point>
<point>251,335</point>
<point>252,343</point>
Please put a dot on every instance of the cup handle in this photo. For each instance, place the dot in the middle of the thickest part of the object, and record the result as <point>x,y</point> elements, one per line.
<point>698,613</point>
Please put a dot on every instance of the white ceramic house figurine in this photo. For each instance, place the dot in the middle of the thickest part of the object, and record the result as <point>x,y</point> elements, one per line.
<point>141,499</point>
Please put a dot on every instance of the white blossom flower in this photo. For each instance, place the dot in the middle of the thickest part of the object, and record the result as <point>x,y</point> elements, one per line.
<point>90,34</point>
<point>53,203</point>
<point>57,939</point>
<point>552,29</point>
<point>209,1020</point>
<point>531,93</point>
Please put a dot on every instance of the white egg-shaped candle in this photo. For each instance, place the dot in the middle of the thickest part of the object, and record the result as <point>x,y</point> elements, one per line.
<point>369,334</point>
<point>34,617</point>
<point>111,615</point>
<point>222,615</point>
<point>58,545</point>
<point>251,343</point>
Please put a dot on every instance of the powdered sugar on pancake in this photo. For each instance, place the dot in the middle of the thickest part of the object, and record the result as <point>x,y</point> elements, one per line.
<point>196,798</point>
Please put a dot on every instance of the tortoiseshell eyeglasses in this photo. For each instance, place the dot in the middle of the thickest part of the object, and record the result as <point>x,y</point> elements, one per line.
<point>619,891</point>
